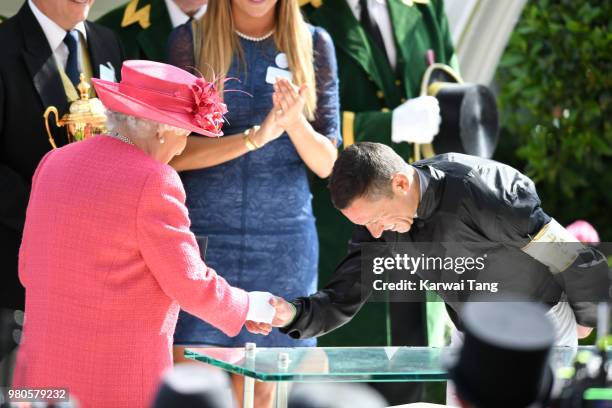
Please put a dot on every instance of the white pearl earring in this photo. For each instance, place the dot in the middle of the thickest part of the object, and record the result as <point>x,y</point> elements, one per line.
<point>162,140</point>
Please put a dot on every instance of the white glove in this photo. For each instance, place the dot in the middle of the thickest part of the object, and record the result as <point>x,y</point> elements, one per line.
<point>260,309</point>
<point>416,120</point>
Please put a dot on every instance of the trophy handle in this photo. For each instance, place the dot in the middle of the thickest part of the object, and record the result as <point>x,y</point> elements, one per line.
<point>416,153</point>
<point>48,112</point>
<point>427,150</point>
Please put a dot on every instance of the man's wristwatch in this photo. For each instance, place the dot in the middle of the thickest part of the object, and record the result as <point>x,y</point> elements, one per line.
<point>248,142</point>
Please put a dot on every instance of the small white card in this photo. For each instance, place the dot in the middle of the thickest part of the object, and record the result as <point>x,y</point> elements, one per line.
<point>273,73</point>
<point>107,72</point>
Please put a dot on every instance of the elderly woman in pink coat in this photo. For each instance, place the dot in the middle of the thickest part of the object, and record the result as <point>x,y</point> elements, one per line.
<point>107,256</point>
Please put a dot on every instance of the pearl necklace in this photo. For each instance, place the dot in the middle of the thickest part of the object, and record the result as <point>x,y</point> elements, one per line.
<point>124,139</point>
<point>255,39</point>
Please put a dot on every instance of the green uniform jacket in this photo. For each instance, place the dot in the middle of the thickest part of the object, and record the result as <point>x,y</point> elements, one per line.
<point>143,26</point>
<point>369,90</point>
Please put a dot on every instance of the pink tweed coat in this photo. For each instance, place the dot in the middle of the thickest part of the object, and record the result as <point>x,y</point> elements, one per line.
<point>106,259</point>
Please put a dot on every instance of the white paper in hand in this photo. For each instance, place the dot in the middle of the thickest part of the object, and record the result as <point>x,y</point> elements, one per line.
<point>260,309</point>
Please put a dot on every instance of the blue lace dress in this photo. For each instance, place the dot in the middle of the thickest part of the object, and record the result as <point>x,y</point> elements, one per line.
<point>256,209</point>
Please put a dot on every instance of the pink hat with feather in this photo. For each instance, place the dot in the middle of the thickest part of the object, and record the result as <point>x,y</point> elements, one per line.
<point>165,94</point>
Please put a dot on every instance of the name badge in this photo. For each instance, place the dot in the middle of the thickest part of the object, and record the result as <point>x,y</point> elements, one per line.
<point>272,74</point>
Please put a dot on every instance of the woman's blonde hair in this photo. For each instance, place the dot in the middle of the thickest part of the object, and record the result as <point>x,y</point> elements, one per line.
<point>215,43</point>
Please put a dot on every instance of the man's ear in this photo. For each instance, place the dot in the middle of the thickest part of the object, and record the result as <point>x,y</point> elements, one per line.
<point>400,183</point>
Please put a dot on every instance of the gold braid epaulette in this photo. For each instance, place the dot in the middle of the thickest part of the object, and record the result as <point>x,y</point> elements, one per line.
<point>140,16</point>
<point>313,3</point>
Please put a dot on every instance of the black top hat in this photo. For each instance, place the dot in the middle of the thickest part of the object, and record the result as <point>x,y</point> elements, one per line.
<point>469,113</point>
<point>504,359</point>
<point>192,386</point>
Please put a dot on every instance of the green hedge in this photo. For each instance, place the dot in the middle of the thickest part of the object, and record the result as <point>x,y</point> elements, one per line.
<point>554,84</point>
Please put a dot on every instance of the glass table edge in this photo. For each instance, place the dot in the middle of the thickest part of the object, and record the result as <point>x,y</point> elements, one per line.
<point>340,377</point>
<point>316,377</point>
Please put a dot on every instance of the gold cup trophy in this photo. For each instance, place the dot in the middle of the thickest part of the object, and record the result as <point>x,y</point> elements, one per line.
<point>84,119</point>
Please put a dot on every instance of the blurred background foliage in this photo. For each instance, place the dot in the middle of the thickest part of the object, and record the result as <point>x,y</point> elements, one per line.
<point>554,82</point>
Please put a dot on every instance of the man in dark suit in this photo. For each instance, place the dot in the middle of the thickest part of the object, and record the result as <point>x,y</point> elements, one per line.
<point>382,49</point>
<point>45,47</point>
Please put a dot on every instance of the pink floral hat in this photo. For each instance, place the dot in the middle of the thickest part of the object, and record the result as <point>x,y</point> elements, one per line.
<point>166,94</point>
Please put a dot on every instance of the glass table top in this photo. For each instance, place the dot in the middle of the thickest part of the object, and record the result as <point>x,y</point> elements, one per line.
<point>348,364</point>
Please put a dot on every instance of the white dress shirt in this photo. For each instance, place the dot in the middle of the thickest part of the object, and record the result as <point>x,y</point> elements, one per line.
<point>380,13</point>
<point>178,17</point>
<point>56,34</point>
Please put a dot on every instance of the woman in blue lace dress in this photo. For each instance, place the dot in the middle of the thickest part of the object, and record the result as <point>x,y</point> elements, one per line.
<point>248,191</point>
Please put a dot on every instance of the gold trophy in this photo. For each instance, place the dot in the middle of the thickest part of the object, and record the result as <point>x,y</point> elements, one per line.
<point>85,117</point>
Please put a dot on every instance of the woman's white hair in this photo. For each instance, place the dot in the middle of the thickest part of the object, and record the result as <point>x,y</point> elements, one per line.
<point>134,127</point>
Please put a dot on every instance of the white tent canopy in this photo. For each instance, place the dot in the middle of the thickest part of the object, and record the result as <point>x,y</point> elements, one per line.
<point>481,29</point>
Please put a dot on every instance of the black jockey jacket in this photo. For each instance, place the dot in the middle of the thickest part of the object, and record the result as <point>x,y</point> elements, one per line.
<point>467,199</point>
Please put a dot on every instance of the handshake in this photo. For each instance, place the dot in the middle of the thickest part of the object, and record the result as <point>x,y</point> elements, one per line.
<point>267,311</point>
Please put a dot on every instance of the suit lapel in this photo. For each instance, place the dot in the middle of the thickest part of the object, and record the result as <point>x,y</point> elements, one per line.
<point>154,39</point>
<point>41,64</point>
<point>97,50</point>
<point>404,19</point>
<point>337,18</point>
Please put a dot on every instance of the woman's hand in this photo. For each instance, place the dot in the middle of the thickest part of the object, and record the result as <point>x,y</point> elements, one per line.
<point>288,100</point>
<point>268,131</point>
<point>316,151</point>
